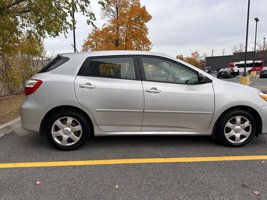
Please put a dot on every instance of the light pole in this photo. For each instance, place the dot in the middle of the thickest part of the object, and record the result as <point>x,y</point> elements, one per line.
<point>255,48</point>
<point>246,47</point>
<point>263,43</point>
<point>73,27</point>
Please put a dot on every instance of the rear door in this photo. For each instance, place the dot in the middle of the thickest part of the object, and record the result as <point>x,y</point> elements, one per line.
<point>111,90</point>
<point>174,100</point>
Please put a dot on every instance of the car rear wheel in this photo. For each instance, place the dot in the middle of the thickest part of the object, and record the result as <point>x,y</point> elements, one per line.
<point>67,130</point>
<point>236,128</point>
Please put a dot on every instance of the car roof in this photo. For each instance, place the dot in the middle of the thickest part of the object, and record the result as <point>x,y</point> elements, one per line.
<point>112,53</point>
<point>225,69</point>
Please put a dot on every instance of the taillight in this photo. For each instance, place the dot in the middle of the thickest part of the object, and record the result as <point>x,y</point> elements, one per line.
<point>31,86</point>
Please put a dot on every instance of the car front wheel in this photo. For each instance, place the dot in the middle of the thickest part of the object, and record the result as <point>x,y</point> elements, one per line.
<point>67,130</point>
<point>236,128</point>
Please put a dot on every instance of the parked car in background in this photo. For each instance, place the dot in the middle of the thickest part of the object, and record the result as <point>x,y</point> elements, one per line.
<point>225,73</point>
<point>207,69</point>
<point>263,74</point>
<point>111,93</point>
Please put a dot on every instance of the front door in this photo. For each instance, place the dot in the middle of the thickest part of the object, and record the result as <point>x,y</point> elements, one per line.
<point>174,100</point>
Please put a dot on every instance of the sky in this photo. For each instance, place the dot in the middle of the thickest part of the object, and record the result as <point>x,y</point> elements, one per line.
<point>180,27</point>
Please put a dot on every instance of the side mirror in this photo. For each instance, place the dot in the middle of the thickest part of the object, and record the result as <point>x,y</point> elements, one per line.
<point>201,77</point>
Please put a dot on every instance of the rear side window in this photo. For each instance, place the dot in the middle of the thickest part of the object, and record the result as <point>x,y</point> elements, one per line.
<point>53,64</point>
<point>119,67</point>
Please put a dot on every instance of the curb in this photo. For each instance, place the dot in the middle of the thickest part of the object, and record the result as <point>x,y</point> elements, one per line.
<point>9,126</point>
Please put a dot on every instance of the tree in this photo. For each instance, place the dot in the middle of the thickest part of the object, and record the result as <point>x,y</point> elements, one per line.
<point>125,29</point>
<point>38,18</point>
<point>260,46</point>
<point>15,69</point>
<point>239,48</point>
<point>23,26</point>
<point>194,59</point>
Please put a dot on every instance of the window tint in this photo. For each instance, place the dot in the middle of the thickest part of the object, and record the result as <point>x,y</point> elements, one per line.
<point>122,68</point>
<point>161,70</point>
<point>53,64</point>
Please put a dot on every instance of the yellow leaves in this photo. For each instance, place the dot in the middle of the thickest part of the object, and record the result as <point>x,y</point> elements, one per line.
<point>194,59</point>
<point>17,72</point>
<point>15,65</point>
<point>30,46</point>
<point>126,28</point>
<point>41,17</point>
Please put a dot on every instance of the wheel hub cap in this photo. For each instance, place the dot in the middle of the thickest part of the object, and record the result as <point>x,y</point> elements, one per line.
<point>67,131</point>
<point>237,129</point>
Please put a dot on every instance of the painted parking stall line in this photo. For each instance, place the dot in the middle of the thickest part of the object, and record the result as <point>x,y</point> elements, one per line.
<point>131,161</point>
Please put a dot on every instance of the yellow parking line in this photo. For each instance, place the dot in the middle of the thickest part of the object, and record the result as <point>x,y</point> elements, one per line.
<point>130,161</point>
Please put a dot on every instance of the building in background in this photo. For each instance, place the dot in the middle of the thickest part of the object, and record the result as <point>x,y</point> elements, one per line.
<point>222,61</point>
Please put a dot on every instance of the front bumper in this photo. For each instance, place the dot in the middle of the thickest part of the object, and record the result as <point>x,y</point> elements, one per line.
<point>264,119</point>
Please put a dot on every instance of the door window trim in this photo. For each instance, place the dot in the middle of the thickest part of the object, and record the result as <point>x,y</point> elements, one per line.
<point>88,60</point>
<point>143,76</point>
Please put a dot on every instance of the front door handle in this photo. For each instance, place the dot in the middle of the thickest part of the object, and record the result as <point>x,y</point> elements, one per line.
<point>153,90</point>
<point>87,85</point>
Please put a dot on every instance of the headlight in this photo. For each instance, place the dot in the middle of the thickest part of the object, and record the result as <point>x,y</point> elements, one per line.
<point>263,96</point>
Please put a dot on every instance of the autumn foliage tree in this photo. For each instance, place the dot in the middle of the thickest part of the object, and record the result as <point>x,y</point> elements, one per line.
<point>17,67</point>
<point>125,28</point>
<point>23,26</point>
<point>194,59</point>
<point>38,18</point>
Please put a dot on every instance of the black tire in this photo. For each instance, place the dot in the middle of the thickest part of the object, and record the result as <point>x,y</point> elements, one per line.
<point>80,122</point>
<point>222,128</point>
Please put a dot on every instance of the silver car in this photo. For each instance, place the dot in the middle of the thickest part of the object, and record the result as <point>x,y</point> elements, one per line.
<point>111,93</point>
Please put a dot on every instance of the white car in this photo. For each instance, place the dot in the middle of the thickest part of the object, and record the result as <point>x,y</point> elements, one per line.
<point>137,93</point>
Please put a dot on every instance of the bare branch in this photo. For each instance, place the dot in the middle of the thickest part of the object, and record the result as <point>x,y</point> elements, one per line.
<point>7,7</point>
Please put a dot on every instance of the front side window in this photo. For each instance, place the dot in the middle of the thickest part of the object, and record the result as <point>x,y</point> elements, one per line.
<point>121,68</point>
<point>162,70</point>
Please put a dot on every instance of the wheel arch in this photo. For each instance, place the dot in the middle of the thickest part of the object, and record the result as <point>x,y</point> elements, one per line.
<point>246,108</point>
<point>65,107</point>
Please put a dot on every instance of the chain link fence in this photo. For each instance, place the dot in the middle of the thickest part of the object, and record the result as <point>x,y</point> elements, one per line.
<point>15,71</point>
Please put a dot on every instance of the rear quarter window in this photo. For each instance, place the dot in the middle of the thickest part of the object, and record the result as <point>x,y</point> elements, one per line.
<point>53,64</point>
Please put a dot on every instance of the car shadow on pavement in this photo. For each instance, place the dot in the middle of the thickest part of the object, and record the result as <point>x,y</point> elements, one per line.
<point>24,146</point>
<point>144,142</point>
<point>135,141</point>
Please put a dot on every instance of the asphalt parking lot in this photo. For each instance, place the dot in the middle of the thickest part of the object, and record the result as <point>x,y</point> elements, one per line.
<point>210,176</point>
<point>259,83</point>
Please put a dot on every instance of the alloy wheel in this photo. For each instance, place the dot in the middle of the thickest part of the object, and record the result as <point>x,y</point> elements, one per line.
<point>237,129</point>
<point>66,131</point>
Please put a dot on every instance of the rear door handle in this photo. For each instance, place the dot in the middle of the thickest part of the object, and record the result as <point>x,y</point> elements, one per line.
<point>153,90</point>
<point>87,85</point>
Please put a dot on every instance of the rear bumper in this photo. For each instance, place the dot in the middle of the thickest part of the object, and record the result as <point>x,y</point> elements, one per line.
<point>31,116</point>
